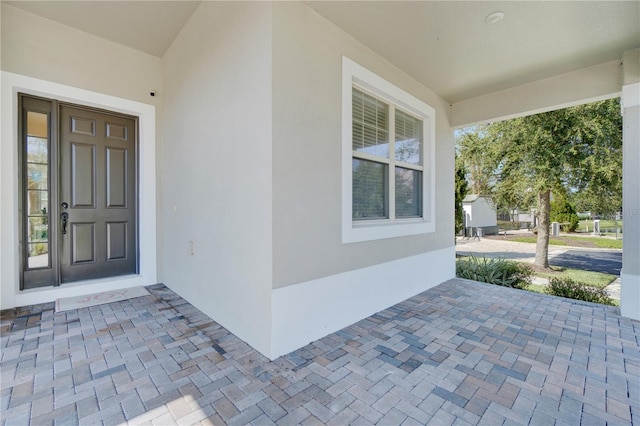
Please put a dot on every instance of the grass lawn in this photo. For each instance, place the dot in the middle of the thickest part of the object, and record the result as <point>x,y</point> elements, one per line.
<point>596,279</point>
<point>566,240</point>
<point>532,240</point>
<point>600,242</point>
<point>536,288</point>
<point>604,224</point>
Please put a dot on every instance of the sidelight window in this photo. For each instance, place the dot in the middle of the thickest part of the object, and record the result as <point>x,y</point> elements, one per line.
<point>37,211</point>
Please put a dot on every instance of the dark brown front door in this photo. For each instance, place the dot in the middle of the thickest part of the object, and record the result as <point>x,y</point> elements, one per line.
<point>87,209</point>
<point>97,192</point>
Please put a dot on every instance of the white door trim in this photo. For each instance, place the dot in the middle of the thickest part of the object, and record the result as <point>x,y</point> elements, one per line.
<point>10,294</point>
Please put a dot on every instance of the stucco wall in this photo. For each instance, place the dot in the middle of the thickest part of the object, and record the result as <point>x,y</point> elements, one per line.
<point>307,61</point>
<point>45,49</point>
<point>215,171</point>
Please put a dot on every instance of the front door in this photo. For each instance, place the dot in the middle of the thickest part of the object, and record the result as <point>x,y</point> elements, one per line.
<point>79,214</point>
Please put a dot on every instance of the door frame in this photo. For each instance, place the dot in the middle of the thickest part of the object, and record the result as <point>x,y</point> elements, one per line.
<point>10,293</point>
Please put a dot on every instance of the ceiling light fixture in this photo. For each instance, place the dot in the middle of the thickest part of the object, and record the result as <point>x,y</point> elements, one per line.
<point>494,17</point>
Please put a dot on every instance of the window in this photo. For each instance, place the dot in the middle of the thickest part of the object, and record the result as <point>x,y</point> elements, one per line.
<point>387,159</point>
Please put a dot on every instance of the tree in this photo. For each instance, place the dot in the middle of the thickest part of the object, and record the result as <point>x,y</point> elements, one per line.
<point>599,187</point>
<point>575,150</point>
<point>476,159</point>
<point>461,190</point>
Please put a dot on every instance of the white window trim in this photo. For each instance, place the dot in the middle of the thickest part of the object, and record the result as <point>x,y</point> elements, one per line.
<point>356,231</point>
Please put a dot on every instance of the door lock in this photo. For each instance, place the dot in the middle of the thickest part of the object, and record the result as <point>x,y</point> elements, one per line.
<point>65,217</point>
<point>64,205</point>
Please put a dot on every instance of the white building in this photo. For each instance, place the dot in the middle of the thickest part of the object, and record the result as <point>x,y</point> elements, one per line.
<point>480,212</point>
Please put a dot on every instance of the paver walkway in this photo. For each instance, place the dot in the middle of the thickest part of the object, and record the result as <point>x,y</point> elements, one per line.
<point>461,353</point>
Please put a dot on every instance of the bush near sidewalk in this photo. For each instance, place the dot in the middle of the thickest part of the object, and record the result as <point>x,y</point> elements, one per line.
<point>501,272</point>
<point>519,275</point>
<point>566,287</point>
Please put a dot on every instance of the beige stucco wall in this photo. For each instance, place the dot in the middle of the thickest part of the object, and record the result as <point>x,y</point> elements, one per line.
<point>307,67</point>
<point>215,171</point>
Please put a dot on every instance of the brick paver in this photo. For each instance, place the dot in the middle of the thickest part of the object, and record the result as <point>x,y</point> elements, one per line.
<point>461,353</point>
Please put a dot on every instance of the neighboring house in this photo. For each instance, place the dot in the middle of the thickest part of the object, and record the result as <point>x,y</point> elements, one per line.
<point>480,212</point>
<point>286,167</point>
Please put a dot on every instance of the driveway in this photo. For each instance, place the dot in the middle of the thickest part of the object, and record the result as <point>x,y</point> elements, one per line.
<point>609,261</point>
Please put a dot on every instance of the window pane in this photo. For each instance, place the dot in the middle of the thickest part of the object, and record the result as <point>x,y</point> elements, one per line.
<point>408,138</point>
<point>38,255</point>
<point>37,150</point>
<point>38,229</point>
<point>37,125</point>
<point>370,128</point>
<point>369,190</point>
<point>37,176</point>
<point>37,202</point>
<point>408,193</point>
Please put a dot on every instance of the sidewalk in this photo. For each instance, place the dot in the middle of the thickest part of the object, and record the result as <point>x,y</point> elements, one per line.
<point>522,252</point>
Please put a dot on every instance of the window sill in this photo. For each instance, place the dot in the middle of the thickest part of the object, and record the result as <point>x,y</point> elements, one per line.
<point>381,229</point>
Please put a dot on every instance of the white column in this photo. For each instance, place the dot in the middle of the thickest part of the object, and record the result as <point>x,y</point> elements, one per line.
<point>630,276</point>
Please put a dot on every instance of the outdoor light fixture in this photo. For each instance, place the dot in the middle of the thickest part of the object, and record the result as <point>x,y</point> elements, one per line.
<point>494,17</point>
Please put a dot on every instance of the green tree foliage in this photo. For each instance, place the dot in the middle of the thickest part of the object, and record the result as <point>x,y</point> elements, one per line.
<point>575,150</point>
<point>476,159</point>
<point>598,186</point>
<point>461,190</point>
<point>563,212</point>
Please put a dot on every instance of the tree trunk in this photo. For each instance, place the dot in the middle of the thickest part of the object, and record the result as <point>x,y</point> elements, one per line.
<point>542,243</point>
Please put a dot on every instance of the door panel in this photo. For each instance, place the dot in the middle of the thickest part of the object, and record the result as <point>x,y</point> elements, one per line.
<point>83,126</point>
<point>117,178</point>
<point>97,180</point>
<point>83,246</point>
<point>83,175</point>
<point>116,240</point>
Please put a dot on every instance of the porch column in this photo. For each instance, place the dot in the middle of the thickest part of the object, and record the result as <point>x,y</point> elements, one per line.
<point>630,276</point>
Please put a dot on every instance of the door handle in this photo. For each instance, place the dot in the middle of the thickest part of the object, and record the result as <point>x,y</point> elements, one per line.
<point>65,217</point>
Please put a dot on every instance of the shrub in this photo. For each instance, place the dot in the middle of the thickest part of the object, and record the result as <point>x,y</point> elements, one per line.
<point>501,272</point>
<point>566,287</point>
<point>562,211</point>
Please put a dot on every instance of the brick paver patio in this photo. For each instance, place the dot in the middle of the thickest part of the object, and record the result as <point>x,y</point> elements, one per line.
<point>461,353</point>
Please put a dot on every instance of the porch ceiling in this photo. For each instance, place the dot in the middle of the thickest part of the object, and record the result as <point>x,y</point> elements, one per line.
<point>450,48</point>
<point>447,46</point>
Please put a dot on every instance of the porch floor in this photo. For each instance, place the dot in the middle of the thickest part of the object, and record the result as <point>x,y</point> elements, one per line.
<point>460,353</point>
